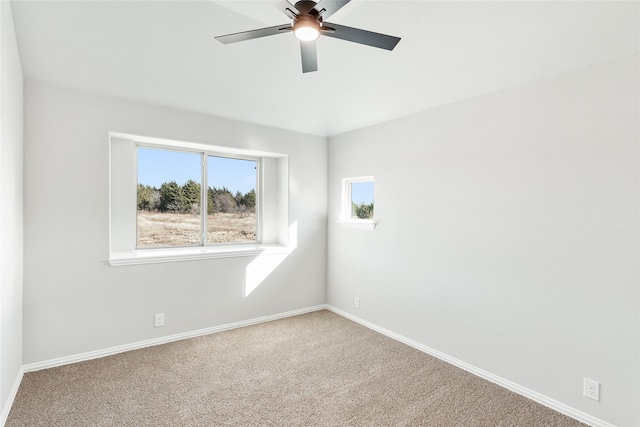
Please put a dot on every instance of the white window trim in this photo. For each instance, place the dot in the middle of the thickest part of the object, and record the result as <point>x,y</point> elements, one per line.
<point>363,224</point>
<point>346,221</point>
<point>194,253</point>
<point>274,217</point>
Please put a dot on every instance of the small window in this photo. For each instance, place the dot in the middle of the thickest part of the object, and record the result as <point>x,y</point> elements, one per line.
<point>362,200</point>
<point>170,197</point>
<point>358,201</point>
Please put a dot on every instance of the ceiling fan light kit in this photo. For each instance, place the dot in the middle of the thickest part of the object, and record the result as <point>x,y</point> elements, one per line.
<point>308,23</point>
<point>306,28</point>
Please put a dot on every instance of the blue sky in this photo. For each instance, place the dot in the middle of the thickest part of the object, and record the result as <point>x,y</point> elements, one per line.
<point>158,166</point>
<point>362,192</point>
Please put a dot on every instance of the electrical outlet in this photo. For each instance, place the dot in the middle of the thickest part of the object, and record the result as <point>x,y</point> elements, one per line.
<point>159,320</point>
<point>591,389</point>
<point>356,302</point>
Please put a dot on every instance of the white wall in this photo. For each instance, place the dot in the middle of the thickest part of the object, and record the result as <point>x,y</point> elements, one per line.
<point>11,240</point>
<point>73,301</point>
<point>508,234</point>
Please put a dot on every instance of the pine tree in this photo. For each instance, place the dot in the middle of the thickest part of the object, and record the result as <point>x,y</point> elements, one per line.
<point>145,197</point>
<point>249,200</point>
<point>191,197</point>
<point>171,198</point>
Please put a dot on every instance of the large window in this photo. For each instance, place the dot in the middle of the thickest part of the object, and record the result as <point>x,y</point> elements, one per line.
<point>170,196</point>
<point>181,201</point>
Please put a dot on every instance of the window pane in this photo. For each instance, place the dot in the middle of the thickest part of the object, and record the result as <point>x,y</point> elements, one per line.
<point>362,200</point>
<point>231,200</point>
<point>168,198</point>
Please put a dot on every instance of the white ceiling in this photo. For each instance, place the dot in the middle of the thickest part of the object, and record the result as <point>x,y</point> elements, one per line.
<point>164,52</point>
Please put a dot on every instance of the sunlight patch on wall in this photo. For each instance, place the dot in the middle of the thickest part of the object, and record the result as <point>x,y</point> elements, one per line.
<point>263,265</point>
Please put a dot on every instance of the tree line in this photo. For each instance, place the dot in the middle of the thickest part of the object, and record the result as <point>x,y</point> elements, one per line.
<point>185,199</point>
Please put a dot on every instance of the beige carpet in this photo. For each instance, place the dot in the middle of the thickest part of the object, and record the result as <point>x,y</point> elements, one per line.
<point>317,369</point>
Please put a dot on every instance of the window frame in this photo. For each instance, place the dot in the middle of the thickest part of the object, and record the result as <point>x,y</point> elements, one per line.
<point>204,169</point>
<point>276,234</point>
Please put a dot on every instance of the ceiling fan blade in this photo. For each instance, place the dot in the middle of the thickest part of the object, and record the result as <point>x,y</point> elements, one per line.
<point>254,34</point>
<point>287,8</point>
<point>356,35</point>
<point>326,8</point>
<point>309,56</point>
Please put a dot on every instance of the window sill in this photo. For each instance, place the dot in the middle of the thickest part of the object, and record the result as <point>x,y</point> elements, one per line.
<point>153,256</point>
<point>358,225</point>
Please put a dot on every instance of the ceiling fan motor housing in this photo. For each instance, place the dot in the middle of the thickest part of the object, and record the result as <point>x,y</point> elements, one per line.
<point>307,7</point>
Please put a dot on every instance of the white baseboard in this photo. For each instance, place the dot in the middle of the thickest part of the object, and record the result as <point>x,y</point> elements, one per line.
<point>12,396</point>
<point>509,385</point>
<point>163,340</point>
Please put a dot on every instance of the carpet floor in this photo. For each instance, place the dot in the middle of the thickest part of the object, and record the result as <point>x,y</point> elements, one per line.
<point>317,369</point>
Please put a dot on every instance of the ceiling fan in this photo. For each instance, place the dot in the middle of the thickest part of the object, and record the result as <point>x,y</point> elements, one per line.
<point>308,23</point>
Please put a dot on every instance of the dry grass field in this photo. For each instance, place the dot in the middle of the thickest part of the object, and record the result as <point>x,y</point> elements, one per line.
<point>157,229</point>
